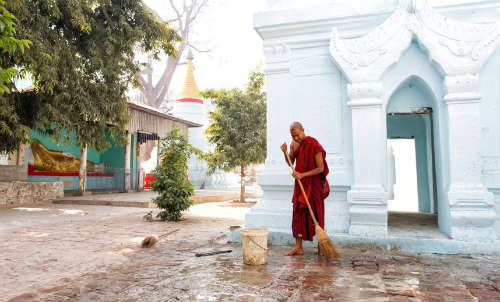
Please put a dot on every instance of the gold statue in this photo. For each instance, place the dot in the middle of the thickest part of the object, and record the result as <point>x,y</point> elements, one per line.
<point>45,160</point>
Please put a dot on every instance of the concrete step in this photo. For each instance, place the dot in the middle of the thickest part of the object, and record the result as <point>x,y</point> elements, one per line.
<point>403,244</point>
<point>102,200</point>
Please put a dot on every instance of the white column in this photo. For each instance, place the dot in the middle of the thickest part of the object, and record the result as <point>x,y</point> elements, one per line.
<point>126,173</point>
<point>470,203</point>
<point>368,197</point>
<point>274,210</point>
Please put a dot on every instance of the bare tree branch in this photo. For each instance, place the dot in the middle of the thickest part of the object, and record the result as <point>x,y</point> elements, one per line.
<point>141,88</point>
<point>195,15</point>
<point>175,9</point>
<point>159,100</point>
<point>183,20</point>
<point>142,81</point>
<point>144,71</point>
<point>187,18</point>
<point>179,16</point>
<point>198,50</point>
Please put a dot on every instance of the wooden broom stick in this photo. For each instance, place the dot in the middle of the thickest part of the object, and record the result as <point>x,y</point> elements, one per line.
<point>151,240</point>
<point>326,246</point>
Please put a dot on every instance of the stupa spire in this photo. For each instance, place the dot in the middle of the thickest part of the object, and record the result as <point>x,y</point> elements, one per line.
<point>190,89</point>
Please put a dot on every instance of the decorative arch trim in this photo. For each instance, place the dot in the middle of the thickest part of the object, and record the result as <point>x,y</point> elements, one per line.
<point>456,47</point>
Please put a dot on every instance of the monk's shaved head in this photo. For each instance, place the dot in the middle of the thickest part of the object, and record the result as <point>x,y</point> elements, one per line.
<point>296,125</point>
<point>297,132</point>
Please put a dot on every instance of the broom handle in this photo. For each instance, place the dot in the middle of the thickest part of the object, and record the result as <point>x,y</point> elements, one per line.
<point>302,189</point>
<point>168,233</point>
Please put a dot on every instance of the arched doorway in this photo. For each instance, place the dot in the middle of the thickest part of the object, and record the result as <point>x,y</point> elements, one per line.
<point>412,201</point>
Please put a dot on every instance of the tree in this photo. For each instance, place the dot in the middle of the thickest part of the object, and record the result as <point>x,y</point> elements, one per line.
<point>12,132</point>
<point>83,61</point>
<point>170,177</point>
<point>237,127</point>
<point>183,20</point>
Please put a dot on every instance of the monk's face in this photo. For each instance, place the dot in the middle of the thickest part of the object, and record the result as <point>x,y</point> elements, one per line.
<point>297,135</point>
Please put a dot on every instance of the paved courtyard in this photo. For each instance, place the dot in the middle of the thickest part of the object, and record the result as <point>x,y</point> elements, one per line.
<point>91,253</point>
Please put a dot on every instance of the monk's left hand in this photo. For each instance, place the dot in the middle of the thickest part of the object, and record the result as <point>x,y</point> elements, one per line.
<point>297,175</point>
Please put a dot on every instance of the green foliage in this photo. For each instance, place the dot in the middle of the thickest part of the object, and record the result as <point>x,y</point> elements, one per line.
<point>18,113</point>
<point>82,60</point>
<point>11,131</point>
<point>237,126</point>
<point>170,177</point>
<point>8,45</point>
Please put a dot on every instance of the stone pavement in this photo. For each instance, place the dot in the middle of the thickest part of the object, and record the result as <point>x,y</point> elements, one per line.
<point>171,272</point>
<point>91,253</point>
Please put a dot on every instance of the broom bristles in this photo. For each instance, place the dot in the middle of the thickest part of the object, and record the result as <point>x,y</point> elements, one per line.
<point>148,242</point>
<point>326,246</point>
<point>151,240</point>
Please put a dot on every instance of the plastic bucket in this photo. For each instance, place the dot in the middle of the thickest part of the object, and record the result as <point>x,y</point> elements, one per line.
<point>254,242</point>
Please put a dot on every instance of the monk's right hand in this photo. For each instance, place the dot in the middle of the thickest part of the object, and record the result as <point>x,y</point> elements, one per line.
<point>284,147</point>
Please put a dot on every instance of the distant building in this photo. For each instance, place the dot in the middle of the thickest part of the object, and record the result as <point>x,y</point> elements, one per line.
<point>192,107</point>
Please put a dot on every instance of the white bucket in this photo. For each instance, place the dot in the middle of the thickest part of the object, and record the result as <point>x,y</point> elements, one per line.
<point>254,242</point>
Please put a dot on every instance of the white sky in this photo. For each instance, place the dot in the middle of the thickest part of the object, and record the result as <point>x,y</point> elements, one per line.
<point>226,28</point>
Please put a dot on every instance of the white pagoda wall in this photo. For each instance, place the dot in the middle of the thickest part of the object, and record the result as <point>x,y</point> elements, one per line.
<point>304,84</point>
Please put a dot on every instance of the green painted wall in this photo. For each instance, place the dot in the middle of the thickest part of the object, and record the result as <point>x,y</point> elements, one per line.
<point>113,156</point>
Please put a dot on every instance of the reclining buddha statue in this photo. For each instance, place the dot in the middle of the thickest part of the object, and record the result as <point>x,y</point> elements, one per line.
<point>45,160</point>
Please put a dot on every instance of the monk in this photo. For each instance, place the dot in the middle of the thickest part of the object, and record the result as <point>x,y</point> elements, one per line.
<point>311,169</point>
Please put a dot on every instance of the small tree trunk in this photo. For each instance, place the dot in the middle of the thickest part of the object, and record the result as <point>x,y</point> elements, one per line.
<point>18,156</point>
<point>83,171</point>
<point>242,191</point>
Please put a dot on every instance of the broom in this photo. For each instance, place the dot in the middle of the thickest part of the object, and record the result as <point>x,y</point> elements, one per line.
<point>151,240</point>
<point>326,246</point>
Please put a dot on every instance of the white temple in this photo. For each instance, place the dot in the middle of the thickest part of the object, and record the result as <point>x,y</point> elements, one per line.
<point>357,73</point>
<point>192,107</point>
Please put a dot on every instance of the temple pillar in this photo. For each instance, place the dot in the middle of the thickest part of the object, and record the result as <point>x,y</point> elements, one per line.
<point>126,173</point>
<point>140,170</point>
<point>472,215</point>
<point>274,210</point>
<point>367,198</point>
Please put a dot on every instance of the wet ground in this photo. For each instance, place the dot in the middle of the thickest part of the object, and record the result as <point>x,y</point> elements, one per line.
<point>170,271</point>
<point>164,274</point>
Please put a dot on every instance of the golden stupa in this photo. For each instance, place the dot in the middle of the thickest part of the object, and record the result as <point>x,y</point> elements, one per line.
<point>190,89</point>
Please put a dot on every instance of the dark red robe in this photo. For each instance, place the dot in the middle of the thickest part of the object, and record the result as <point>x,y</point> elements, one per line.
<point>316,188</point>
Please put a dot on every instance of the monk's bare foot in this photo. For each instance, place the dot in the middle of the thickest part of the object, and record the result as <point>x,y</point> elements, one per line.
<point>295,251</point>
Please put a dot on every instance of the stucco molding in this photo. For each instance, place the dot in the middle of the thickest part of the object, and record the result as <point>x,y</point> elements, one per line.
<point>364,90</point>
<point>455,47</point>
<point>277,58</point>
<point>364,94</point>
<point>462,88</point>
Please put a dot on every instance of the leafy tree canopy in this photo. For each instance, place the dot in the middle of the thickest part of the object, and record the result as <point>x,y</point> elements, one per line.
<point>237,126</point>
<point>82,60</point>
<point>9,45</point>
